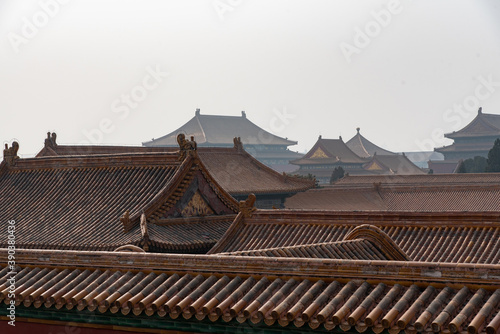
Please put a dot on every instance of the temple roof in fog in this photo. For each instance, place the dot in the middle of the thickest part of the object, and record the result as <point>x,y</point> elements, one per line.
<point>392,164</point>
<point>329,151</point>
<point>365,148</point>
<point>216,130</point>
<point>481,125</point>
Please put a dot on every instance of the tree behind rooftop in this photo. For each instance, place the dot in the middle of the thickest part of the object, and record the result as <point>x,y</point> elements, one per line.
<point>493,162</point>
<point>338,173</point>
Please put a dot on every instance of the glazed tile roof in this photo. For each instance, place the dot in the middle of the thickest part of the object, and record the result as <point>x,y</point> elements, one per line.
<point>420,181</point>
<point>209,130</point>
<point>392,164</point>
<point>338,200</point>
<point>196,235</point>
<point>442,166</point>
<point>358,249</point>
<point>429,237</point>
<point>466,147</point>
<point>233,168</point>
<point>421,193</point>
<point>79,202</point>
<point>365,148</point>
<point>308,294</point>
<point>481,125</point>
<point>329,151</point>
<point>239,173</point>
<point>364,242</point>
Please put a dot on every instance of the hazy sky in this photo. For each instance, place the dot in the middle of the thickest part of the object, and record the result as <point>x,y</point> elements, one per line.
<point>404,71</point>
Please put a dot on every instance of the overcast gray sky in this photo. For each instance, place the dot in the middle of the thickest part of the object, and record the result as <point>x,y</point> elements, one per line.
<point>96,71</point>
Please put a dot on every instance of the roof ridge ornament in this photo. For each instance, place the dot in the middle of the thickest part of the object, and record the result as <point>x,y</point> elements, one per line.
<point>480,111</point>
<point>51,139</point>
<point>186,146</point>
<point>247,207</point>
<point>144,232</point>
<point>238,145</point>
<point>10,153</point>
<point>358,128</point>
<point>125,219</point>
<point>197,112</point>
<point>243,114</point>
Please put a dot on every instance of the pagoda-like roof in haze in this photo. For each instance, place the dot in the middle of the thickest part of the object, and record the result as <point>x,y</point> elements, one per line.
<point>466,147</point>
<point>329,151</point>
<point>483,125</point>
<point>392,164</point>
<point>365,148</point>
<point>216,130</point>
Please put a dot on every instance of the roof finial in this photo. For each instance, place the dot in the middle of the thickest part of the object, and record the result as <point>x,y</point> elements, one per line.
<point>51,139</point>
<point>197,112</point>
<point>10,153</point>
<point>480,111</point>
<point>247,207</point>
<point>144,231</point>
<point>125,219</point>
<point>238,144</point>
<point>340,137</point>
<point>243,114</point>
<point>186,146</point>
<point>319,137</point>
<point>357,129</point>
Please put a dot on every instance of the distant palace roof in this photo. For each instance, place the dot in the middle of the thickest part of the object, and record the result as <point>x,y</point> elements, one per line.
<point>163,201</point>
<point>232,167</point>
<point>329,151</point>
<point>481,125</point>
<point>443,166</point>
<point>365,148</point>
<point>466,147</point>
<point>392,164</point>
<point>215,130</point>
<point>427,192</point>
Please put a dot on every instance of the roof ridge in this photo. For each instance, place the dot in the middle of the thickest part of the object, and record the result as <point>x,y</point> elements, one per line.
<point>380,239</point>
<point>480,117</point>
<point>229,234</point>
<point>414,270</point>
<point>135,159</point>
